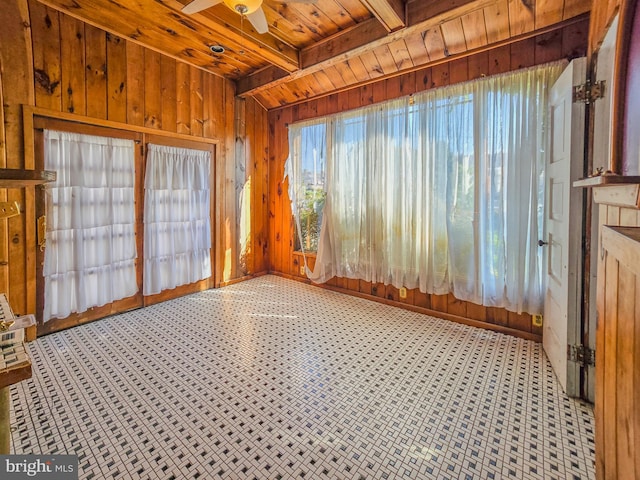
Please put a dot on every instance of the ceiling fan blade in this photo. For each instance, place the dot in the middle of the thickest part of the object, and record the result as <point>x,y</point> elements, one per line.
<point>199,5</point>
<point>259,21</point>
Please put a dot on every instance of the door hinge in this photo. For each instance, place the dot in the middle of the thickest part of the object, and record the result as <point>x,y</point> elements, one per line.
<point>588,93</point>
<point>582,355</point>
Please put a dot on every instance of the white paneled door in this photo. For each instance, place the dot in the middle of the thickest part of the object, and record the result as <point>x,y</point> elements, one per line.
<point>564,211</point>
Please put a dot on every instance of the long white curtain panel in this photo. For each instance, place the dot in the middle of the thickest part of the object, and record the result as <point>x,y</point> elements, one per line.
<point>443,191</point>
<point>91,250</point>
<point>177,226</point>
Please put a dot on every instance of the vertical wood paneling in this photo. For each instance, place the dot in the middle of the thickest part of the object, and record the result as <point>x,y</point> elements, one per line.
<point>72,45</point>
<point>385,59</point>
<point>168,97</point>
<point>625,401</point>
<point>230,201</point>
<point>475,30</point>
<point>455,306</point>
<point>610,351</point>
<point>548,12</point>
<point>116,78</point>
<point>459,70</point>
<point>208,106</point>
<point>573,40</point>
<point>440,75</point>
<point>520,18</point>
<point>497,23</point>
<point>195,101</point>
<point>96,72</point>
<point>45,24</point>
<point>478,65</point>
<point>276,133</point>
<point>135,84</point>
<point>523,54</point>
<point>152,90</point>
<point>602,13</point>
<point>183,92</point>
<point>434,43</point>
<point>453,34</point>
<point>261,181</point>
<point>499,60</point>
<point>549,47</point>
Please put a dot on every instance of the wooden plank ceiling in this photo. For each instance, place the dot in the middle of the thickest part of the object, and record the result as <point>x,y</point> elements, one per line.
<point>317,47</point>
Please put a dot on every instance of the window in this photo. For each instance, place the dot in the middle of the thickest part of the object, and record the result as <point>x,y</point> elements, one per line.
<point>310,187</point>
<point>443,193</point>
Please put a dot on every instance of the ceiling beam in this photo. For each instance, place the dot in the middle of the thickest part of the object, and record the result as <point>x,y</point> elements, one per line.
<point>423,19</point>
<point>390,13</point>
<point>344,41</point>
<point>361,34</point>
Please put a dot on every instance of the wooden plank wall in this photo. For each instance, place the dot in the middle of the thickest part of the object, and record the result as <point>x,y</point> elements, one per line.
<point>54,61</point>
<point>602,13</point>
<point>570,42</point>
<point>617,413</point>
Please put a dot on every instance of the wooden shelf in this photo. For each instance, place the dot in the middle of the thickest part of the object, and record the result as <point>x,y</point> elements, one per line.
<point>18,178</point>
<point>615,190</point>
<point>607,181</point>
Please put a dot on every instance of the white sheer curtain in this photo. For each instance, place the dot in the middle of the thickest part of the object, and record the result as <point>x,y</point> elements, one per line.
<point>442,192</point>
<point>177,227</point>
<point>91,249</point>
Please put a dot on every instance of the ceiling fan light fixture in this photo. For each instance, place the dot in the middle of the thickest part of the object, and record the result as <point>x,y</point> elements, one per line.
<point>243,7</point>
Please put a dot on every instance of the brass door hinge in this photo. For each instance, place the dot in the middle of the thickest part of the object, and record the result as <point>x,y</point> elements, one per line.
<point>582,355</point>
<point>588,93</point>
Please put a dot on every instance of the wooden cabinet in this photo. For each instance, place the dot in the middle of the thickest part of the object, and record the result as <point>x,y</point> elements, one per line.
<point>617,409</point>
<point>618,361</point>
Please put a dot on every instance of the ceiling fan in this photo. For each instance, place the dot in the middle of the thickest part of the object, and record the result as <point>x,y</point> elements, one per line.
<point>251,9</point>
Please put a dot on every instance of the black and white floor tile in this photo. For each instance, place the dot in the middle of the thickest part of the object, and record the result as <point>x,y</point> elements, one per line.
<point>274,379</point>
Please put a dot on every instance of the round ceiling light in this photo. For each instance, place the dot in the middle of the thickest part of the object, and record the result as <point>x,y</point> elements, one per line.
<point>216,48</point>
<point>244,7</point>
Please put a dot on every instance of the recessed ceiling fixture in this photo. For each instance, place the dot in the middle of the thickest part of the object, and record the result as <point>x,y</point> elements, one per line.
<point>216,48</point>
<point>252,9</point>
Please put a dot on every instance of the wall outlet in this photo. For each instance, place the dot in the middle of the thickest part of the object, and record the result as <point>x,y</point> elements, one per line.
<point>402,292</point>
<point>302,272</point>
<point>537,320</point>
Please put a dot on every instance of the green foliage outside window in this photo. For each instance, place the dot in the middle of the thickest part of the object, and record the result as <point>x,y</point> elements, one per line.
<point>310,212</point>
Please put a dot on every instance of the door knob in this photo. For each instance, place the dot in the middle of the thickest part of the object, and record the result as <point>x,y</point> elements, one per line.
<point>542,243</point>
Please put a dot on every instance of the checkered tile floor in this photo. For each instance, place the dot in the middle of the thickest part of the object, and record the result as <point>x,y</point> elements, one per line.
<point>274,379</point>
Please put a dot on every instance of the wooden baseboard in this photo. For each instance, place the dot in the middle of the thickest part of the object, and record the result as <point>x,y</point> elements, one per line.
<point>427,311</point>
<point>242,279</point>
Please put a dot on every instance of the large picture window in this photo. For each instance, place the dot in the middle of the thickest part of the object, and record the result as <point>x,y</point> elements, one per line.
<point>441,192</point>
